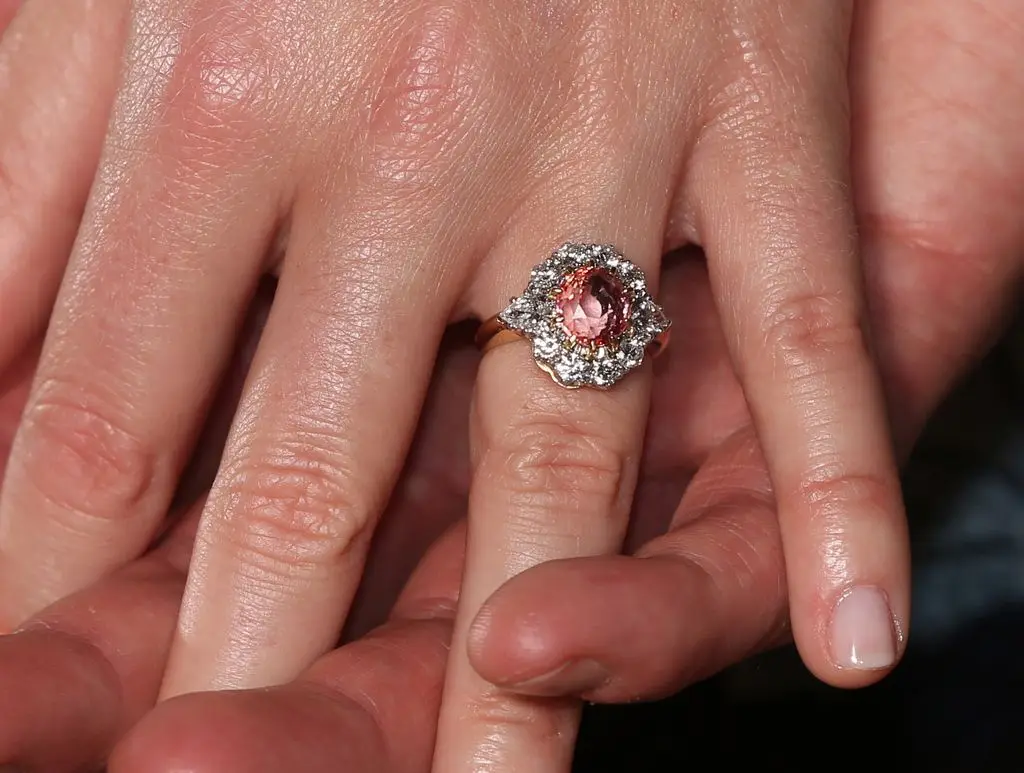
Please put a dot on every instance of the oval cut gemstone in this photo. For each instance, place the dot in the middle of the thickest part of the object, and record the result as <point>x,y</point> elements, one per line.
<point>594,306</point>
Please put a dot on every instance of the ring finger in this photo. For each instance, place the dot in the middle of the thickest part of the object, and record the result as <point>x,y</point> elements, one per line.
<point>554,468</point>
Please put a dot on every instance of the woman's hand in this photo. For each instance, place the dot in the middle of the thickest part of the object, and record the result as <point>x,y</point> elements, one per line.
<point>420,158</point>
<point>949,308</point>
<point>400,166</point>
<point>943,257</point>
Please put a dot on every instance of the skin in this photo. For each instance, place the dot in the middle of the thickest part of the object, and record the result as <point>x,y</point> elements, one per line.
<point>106,646</point>
<point>729,497</point>
<point>742,148</point>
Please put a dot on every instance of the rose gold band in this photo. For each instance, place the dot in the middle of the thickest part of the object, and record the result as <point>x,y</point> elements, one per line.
<point>492,333</point>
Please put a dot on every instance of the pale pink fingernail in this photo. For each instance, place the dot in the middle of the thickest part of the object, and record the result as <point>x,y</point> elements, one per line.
<point>863,633</point>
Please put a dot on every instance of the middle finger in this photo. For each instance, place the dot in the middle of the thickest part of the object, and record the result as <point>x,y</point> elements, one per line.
<point>341,371</point>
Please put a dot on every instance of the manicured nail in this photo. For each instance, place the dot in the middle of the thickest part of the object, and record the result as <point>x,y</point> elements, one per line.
<point>573,678</point>
<point>863,634</point>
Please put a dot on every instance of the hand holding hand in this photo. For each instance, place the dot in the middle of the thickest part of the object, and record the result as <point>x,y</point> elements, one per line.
<point>917,383</point>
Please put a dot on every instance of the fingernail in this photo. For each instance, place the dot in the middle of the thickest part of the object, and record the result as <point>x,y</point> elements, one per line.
<point>573,678</point>
<point>863,634</point>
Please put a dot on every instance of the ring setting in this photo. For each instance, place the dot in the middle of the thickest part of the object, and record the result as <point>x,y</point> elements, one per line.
<point>587,313</point>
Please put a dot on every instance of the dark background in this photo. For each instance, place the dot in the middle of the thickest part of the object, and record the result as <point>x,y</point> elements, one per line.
<point>954,704</point>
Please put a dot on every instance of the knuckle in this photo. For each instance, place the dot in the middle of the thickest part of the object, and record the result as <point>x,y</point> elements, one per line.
<point>813,332</point>
<point>833,496</point>
<point>779,132</point>
<point>602,101</point>
<point>292,510</point>
<point>767,79</point>
<point>429,87</point>
<point>556,463</point>
<point>80,457</point>
<point>496,712</point>
<point>220,79</point>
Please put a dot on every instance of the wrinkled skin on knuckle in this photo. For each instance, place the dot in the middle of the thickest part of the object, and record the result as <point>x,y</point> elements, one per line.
<point>832,493</point>
<point>618,74</point>
<point>553,459</point>
<point>777,95</point>
<point>556,473</point>
<point>805,318</point>
<point>838,502</point>
<point>430,91</point>
<point>505,719</point>
<point>77,454</point>
<point>293,510</point>
<point>809,335</point>
<point>206,80</point>
<point>402,90</point>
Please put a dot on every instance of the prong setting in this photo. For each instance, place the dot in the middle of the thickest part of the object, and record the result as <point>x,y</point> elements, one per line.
<point>588,315</point>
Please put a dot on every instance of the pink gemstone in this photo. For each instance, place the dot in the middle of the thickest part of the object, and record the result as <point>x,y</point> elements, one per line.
<point>594,306</point>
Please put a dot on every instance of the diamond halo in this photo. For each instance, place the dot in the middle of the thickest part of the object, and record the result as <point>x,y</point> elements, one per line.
<point>588,315</point>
